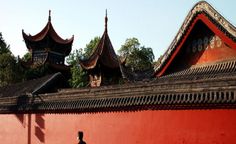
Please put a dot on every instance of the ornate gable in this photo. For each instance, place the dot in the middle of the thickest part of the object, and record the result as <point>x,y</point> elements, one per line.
<point>204,38</point>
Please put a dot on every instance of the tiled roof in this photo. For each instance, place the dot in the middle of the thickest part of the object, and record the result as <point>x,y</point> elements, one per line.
<point>212,91</point>
<point>48,31</point>
<point>36,86</point>
<point>205,70</point>
<point>104,53</point>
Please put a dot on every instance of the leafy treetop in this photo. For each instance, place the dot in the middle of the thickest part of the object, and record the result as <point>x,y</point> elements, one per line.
<point>138,58</point>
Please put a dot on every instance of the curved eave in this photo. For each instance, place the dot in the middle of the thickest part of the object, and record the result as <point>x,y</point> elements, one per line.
<point>47,30</point>
<point>91,62</point>
<point>208,15</point>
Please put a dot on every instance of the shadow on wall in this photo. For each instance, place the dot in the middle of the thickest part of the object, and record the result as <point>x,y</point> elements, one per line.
<point>21,118</point>
<point>24,99</point>
<point>29,128</point>
<point>39,127</point>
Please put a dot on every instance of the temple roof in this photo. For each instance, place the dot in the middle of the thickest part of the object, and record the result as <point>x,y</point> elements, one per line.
<point>104,53</point>
<point>46,84</point>
<point>204,12</point>
<point>48,31</point>
<point>212,91</point>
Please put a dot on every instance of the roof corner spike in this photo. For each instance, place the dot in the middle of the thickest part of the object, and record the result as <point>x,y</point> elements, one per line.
<point>106,19</point>
<point>49,17</point>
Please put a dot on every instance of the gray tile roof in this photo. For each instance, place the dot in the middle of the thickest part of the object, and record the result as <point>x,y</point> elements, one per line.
<point>213,90</point>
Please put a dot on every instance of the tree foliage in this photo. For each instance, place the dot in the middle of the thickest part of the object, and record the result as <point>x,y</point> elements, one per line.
<point>130,45</point>
<point>138,58</point>
<point>4,48</point>
<point>90,47</point>
<point>26,57</point>
<point>78,75</point>
<point>10,70</point>
<point>34,73</point>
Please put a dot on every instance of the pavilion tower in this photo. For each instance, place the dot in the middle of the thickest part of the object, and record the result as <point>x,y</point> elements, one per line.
<point>103,65</point>
<point>47,47</point>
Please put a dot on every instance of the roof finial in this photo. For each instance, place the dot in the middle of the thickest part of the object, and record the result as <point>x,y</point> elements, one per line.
<point>49,17</point>
<point>106,19</point>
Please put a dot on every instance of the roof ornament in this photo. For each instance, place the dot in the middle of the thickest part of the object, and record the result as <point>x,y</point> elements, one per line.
<point>49,16</point>
<point>106,19</point>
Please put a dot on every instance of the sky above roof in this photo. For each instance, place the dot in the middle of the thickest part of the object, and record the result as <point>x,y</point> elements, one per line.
<point>154,22</point>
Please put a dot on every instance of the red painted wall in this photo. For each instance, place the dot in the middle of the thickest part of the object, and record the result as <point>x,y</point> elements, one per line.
<point>149,127</point>
<point>215,51</point>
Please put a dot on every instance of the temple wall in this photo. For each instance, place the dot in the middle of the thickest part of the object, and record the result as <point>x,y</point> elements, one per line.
<point>139,127</point>
<point>207,49</point>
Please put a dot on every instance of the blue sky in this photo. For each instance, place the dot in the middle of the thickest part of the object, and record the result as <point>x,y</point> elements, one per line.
<point>153,22</point>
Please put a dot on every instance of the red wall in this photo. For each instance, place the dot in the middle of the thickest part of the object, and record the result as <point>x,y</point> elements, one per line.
<point>149,127</point>
<point>213,51</point>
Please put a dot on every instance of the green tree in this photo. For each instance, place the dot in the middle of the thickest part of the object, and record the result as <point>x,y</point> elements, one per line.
<point>4,48</point>
<point>7,66</point>
<point>74,57</point>
<point>138,58</point>
<point>10,71</point>
<point>130,45</point>
<point>26,57</point>
<point>34,73</point>
<point>90,47</point>
<point>78,75</point>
